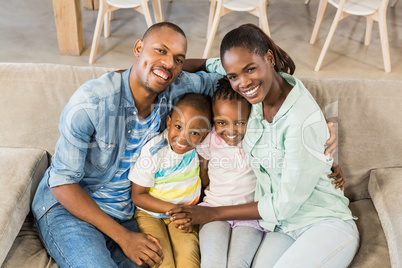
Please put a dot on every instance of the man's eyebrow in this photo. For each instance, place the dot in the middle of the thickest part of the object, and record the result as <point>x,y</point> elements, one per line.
<point>165,46</point>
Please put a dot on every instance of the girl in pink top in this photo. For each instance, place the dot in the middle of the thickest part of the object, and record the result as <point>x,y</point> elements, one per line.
<point>229,180</point>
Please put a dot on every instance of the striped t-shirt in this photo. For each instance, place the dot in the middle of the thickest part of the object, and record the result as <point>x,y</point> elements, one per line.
<point>114,198</point>
<point>171,177</point>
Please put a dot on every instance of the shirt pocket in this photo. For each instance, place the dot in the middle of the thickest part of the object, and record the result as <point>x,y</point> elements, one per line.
<point>100,154</point>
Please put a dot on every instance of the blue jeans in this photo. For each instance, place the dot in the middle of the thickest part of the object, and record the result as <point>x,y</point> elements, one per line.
<point>75,243</point>
<point>328,243</point>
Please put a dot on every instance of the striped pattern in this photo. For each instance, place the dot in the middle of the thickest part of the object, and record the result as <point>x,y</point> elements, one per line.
<point>114,198</point>
<point>173,177</point>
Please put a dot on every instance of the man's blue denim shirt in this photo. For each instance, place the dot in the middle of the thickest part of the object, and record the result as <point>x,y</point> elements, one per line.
<point>94,128</point>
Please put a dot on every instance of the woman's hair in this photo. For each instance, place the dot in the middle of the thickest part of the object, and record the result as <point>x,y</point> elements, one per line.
<point>224,91</point>
<point>252,38</point>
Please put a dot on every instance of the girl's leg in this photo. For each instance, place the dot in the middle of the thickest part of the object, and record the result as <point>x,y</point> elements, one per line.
<point>272,247</point>
<point>329,243</point>
<point>185,246</point>
<point>244,243</point>
<point>214,243</point>
<point>156,227</point>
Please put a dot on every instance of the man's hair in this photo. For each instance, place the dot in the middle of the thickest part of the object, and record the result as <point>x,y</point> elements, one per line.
<point>199,102</point>
<point>159,25</point>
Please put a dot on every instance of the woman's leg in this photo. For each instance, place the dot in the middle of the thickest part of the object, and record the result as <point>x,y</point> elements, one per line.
<point>156,227</point>
<point>272,247</point>
<point>214,243</point>
<point>329,243</point>
<point>244,243</point>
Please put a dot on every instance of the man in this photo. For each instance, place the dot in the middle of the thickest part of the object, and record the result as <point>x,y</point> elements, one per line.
<point>83,205</point>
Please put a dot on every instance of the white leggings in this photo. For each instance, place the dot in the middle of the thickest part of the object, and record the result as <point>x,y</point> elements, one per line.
<point>328,243</point>
<point>223,246</point>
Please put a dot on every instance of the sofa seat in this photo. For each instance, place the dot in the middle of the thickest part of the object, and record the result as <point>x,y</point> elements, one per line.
<point>21,170</point>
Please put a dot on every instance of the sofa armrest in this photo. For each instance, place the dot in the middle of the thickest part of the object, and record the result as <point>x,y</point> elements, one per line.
<point>385,190</point>
<point>21,169</point>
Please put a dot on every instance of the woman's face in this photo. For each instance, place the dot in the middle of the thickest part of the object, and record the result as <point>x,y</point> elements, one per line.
<point>249,74</point>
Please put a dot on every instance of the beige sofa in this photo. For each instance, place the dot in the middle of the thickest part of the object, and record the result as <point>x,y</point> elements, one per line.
<point>367,115</point>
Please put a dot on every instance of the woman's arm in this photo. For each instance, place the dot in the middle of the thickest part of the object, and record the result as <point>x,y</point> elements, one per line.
<point>143,199</point>
<point>193,215</point>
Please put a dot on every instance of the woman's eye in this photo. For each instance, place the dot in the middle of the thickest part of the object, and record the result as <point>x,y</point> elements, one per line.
<point>232,77</point>
<point>251,69</point>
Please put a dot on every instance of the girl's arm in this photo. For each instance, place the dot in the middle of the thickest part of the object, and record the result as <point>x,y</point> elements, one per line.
<point>143,199</point>
<point>204,171</point>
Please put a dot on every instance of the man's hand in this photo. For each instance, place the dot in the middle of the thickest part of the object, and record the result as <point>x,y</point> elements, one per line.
<point>338,175</point>
<point>332,142</point>
<point>142,249</point>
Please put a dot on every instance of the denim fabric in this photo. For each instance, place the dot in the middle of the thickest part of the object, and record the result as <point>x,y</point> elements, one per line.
<point>95,127</point>
<point>74,243</point>
<point>328,243</point>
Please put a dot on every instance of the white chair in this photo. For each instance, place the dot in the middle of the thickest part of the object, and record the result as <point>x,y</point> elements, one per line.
<point>104,14</point>
<point>219,8</point>
<point>373,10</point>
<point>393,4</point>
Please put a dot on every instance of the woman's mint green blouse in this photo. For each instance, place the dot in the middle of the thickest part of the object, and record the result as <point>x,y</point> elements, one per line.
<point>287,156</point>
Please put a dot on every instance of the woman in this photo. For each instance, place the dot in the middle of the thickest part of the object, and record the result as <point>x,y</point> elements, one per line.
<point>310,222</point>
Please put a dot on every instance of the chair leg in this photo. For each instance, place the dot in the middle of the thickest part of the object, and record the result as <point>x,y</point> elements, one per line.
<point>318,21</point>
<point>106,25</point>
<point>382,24</point>
<point>212,8</point>
<point>393,4</point>
<point>145,10</point>
<point>307,2</point>
<point>264,18</point>
<point>95,41</point>
<point>329,37</point>
<point>369,27</point>
<point>214,27</point>
<point>158,10</point>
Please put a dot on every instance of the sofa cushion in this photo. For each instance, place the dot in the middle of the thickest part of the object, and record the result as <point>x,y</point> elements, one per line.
<point>27,250</point>
<point>385,189</point>
<point>21,171</point>
<point>32,98</point>
<point>373,251</point>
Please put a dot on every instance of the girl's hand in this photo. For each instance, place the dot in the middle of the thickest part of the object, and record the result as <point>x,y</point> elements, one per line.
<point>182,222</point>
<point>338,175</point>
<point>332,142</point>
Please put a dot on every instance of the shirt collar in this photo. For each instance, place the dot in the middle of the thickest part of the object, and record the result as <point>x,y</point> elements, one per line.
<point>127,96</point>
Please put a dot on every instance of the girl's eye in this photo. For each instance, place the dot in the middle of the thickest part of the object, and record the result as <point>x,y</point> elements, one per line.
<point>221,123</point>
<point>239,123</point>
<point>178,127</point>
<point>195,133</point>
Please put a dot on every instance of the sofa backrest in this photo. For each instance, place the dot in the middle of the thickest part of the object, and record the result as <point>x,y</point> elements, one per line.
<point>367,115</point>
<point>32,97</point>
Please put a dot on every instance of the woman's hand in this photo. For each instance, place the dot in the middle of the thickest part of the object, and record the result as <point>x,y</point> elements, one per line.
<point>332,142</point>
<point>338,175</point>
<point>186,216</point>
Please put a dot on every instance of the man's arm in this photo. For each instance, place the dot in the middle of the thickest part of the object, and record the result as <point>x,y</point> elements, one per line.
<point>194,65</point>
<point>140,248</point>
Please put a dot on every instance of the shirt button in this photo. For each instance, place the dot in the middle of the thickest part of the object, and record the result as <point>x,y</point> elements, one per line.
<point>134,112</point>
<point>44,208</point>
<point>129,131</point>
<point>109,146</point>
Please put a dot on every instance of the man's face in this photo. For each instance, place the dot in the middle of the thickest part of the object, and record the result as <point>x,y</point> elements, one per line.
<point>160,58</point>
